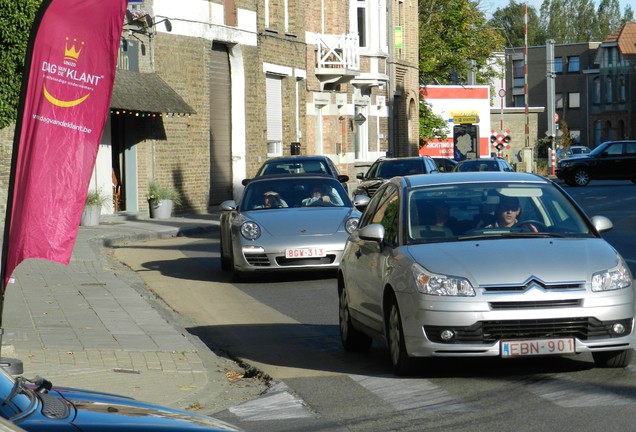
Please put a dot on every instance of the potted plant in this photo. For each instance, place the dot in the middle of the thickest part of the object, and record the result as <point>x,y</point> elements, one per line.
<point>95,200</point>
<point>161,200</point>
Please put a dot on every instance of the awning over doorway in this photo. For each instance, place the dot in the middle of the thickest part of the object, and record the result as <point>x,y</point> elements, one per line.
<point>146,92</point>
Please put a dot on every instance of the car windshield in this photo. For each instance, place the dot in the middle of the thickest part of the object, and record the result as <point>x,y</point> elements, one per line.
<point>600,149</point>
<point>478,165</point>
<point>294,167</point>
<point>15,398</point>
<point>290,192</point>
<point>478,210</point>
<point>390,169</point>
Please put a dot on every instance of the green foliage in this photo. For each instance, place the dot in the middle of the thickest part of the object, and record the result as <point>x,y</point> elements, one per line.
<point>96,197</point>
<point>157,192</point>
<point>16,18</point>
<point>431,126</point>
<point>565,21</point>
<point>452,32</point>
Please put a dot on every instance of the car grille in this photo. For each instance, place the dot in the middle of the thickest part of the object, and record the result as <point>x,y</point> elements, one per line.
<point>548,287</point>
<point>535,305</point>
<point>489,332</point>
<point>257,260</point>
<point>371,190</point>
<point>284,262</point>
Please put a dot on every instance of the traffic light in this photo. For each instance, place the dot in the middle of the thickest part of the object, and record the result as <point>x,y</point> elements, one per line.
<point>493,139</point>
<point>507,139</point>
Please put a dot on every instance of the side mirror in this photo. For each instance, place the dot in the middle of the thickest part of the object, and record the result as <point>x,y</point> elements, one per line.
<point>360,176</point>
<point>244,182</point>
<point>343,178</point>
<point>229,205</point>
<point>373,232</point>
<point>601,223</point>
<point>361,201</point>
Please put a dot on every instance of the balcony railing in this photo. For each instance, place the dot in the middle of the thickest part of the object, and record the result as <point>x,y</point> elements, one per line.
<point>338,52</point>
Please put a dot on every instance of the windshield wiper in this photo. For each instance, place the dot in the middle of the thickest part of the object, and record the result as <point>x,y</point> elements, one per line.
<point>18,385</point>
<point>500,234</point>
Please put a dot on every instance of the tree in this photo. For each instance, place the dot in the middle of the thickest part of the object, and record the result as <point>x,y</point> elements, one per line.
<point>451,33</point>
<point>16,18</point>
<point>432,126</point>
<point>510,23</point>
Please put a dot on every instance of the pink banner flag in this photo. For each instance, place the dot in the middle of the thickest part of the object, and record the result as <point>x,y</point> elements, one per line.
<point>66,91</point>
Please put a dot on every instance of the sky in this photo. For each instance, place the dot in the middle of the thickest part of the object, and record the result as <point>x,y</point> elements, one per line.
<point>489,6</point>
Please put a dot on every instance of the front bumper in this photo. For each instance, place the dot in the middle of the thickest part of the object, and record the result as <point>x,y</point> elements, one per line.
<point>479,329</point>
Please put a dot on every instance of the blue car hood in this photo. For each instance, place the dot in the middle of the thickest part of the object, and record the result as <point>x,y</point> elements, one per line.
<point>515,261</point>
<point>103,411</point>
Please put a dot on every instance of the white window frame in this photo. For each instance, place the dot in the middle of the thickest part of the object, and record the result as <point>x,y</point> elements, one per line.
<point>574,100</point>
<point>274,114</point>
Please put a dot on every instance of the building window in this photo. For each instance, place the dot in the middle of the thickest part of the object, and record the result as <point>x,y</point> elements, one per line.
<point>517,73</point>
<point>558,100</point>
<point>558,65</point>
<point>622,89</point>
<point>596,97</point>
<point>274,101</point>
<point>574,100</point>
<point>609,56</point>
<point>362,22</point>
<point>609,90</point>
<point>597,133</point>
<point>519,101</point>
<point>574,64</point>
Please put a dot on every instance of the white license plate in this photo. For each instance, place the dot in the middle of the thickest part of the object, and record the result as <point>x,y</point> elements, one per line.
<point>530,347</point>
<point>305,253</point>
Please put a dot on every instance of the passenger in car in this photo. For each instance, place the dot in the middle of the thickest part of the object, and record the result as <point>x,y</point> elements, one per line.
<point>272,199</point>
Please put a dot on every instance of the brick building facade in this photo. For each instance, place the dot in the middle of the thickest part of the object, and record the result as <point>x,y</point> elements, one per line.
<point>254,77</point>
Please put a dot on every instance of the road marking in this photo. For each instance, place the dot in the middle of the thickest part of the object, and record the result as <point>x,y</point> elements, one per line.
<point>570,393</point>
<point>411,394</point>
<point>277,404</point>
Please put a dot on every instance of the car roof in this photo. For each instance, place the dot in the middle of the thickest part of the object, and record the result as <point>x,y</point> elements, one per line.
<point>486,159</point>
<point>387,158</point>
<point>293,177</point>
<point>470,177</point>
<point>294,158</point>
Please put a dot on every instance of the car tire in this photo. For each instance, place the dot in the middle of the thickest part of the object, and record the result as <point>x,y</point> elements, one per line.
<point>581,176</point>
<point>613,359</point>
<point>352,339</point>
<point>400,360</point>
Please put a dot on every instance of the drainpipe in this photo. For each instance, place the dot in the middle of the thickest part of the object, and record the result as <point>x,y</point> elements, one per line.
<point>391,84</point>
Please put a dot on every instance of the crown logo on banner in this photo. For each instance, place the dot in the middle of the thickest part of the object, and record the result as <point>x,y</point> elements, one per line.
<point>72,53</point>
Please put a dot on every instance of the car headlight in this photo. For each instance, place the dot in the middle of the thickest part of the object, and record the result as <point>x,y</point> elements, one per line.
<point>441,285</point>
<point>250,230</point>
<point>564,164</point>
<point>613,279</point>
<point>351,224</point>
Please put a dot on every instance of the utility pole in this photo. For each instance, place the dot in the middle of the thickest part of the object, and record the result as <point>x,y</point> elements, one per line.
<point>550,75</point>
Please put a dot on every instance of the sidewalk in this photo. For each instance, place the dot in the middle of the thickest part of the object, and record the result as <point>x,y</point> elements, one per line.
<point>94,325</point>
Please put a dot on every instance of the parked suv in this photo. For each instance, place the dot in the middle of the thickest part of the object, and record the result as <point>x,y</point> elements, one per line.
<point>612,160</point>
<point>386,168</point>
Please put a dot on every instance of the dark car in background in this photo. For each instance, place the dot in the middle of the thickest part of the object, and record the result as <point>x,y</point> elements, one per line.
<point>386,168</point>
<point>612,160</point>
<point>445,164</point>
<point>315,164</point>
<point>484,164</point>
